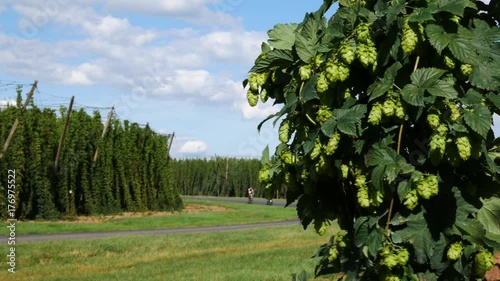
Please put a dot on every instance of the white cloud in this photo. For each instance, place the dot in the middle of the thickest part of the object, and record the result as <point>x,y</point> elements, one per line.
<point>5,103</point>
<point>193,147</point>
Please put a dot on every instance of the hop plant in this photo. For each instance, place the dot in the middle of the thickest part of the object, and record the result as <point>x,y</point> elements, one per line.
<point>410,39</point>
<point>448,62</point>
<point>433,121</point>
<point>363,198</point>
<point>363,32</point>
<point>466,69</point>
<point>344,171</point>
<point>411,200</point>
<point>284,131</point>
<point>252,97</point>
<point>428,187</point>
<point>333,253</point>
<point>400,112</point>
<point>287,157</point>
<point>464,147</point>
<point>483,261</point>
<point>323,114</point>
<point>442,130</point>
<point>454,251</point>
<point>332,144</point>
<point>366,54</point>
<point>305,72</point>
<point>264,175</point>
<point>320,227</point>
<point>437,148</point>
<point>389,108</point>
<point>347,53</point>
<point>263,95</point>
<point>261,78</point>
<point>252,81</point>
<point>322,83</point>
<point>316,151</point>
<point>375,115</point>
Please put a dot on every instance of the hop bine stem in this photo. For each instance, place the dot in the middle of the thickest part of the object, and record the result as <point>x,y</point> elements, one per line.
<point>389,215</point>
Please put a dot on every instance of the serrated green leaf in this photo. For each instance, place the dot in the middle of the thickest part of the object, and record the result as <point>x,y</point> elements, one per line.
<point>305,48</point>
<point>420,15</point>
<point>403,189</point>
<point>377,177</point>
<point>479,119</point>
<point>282,36</point>
<point>489,215</point>
<point>265,156</point>
<point>443,89</point>
<point>472,97</point>
<point>397,7</point>
<point>347,119</point>
<point>486,76</point>
<point>413,95</point>
<point>426,77</point>
<point>374,241</point>
<point>438,260</point>
<point>279,57</point>
<point>380,157</point>
<point>455,7</point>
<point>309,143</point>
<point>361,231</point>
<point>495,99</point>
<point>463,50</point>
<point>438,38</point>
<point>328,128</point>
<point>379,88</point>
<point>309,91</point>
<point>417,233</point>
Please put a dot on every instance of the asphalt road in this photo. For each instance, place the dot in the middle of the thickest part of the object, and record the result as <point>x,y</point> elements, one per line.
<point>20,238</point>
<point>259,201</point>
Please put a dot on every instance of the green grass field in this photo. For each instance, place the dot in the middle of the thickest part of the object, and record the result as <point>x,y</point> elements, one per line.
<point>272,253</point>
<point>236,214</point>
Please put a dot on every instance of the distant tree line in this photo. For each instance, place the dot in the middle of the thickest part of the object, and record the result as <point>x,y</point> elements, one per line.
<point>219,176</point>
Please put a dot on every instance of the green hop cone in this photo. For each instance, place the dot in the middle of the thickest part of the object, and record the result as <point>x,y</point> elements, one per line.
<point>449,62</point>
<point>287,157</point>
<point>284,131</point>
<point>347,53</point>
<point>320,227</point>
<point>343,72</point>
<point>305,72</point>
<point>252,97</point>
<point>392,278</point>
<point>455,251</point>
<point>400,112</point>
<point>411,200</point>
<point>455,113</point>
<point>332,144</point>
<point>366,54</point>
<point>390,261</point>
<point>332,72</point>
<point>363,32</point>
<point>437,149</point>
<point>483,262</point>
<point>433,121</point>
<point>428,187</point>
<point>403,257</point>
<point>252,81</point>
<point>261,78</point>
<point>264,175</point>
<point>345,171</point>
<point>410,39</point>
<point>376,198</point>
<point>360,181</point>
<point>316,151</point>
<point>442,130</point>
<point>464,147</point>
<point>333,253</point>
<point>263,95</point>
<point>322,83</point>
<point>323,114</point>
<point>389,108</point>
<point>363,198</point>
<point>318,60</point>
<point>466,69</point>
<point>375,115</point>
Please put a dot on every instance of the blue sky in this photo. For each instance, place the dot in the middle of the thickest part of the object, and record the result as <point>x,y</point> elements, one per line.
<point>175,64</point>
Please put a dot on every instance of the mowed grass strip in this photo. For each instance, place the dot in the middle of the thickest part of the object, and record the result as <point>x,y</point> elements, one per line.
<point>235,213</point>
<point>272,253</point>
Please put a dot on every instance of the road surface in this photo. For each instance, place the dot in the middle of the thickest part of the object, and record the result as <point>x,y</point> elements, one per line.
<point>20,238</point>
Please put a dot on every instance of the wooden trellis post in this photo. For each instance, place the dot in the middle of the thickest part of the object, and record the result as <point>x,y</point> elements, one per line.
<point>14,127</point>
<point>104,131</point>
<point>61,140</point>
